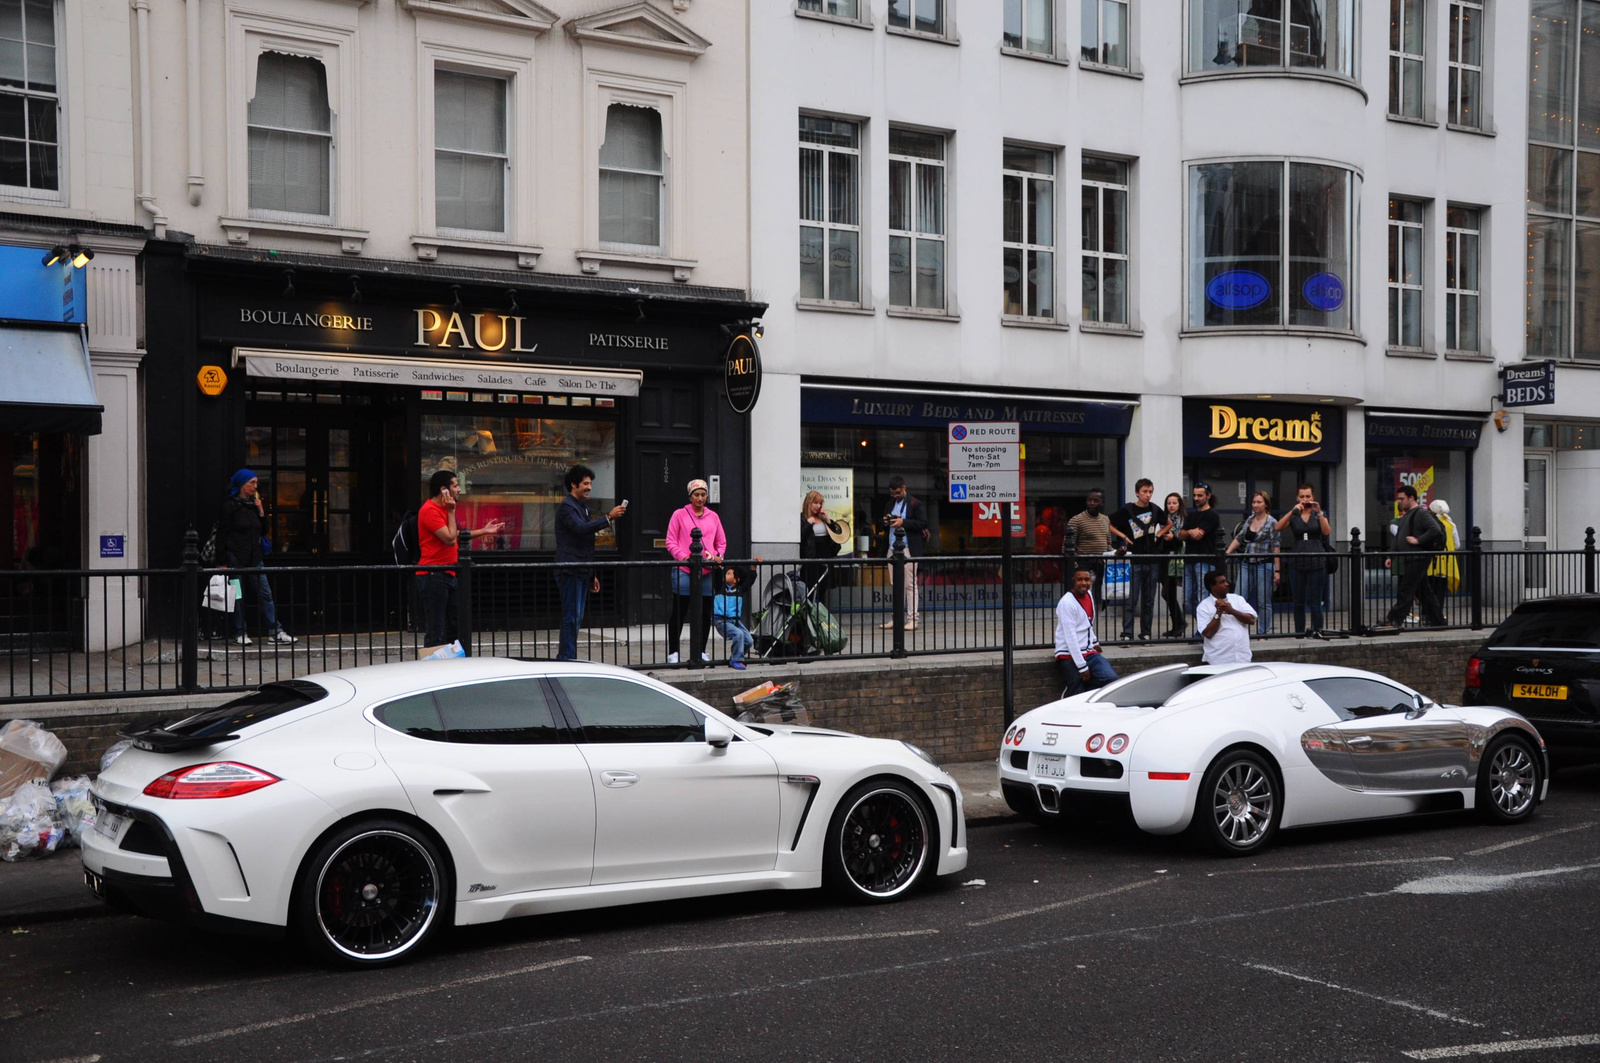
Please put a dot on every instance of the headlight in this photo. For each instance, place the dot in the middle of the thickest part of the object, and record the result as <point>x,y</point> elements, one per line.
<point>920,752</point>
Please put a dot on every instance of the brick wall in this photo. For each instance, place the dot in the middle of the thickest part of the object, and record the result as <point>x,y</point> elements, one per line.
<point>952,706</point>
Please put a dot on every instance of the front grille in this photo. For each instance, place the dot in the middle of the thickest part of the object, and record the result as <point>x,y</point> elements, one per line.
<point>144,838</point>
<point>1099,768</point>
<point>1019,759</point>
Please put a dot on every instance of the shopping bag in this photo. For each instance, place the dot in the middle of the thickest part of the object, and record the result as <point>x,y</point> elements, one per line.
<point>222,594</point>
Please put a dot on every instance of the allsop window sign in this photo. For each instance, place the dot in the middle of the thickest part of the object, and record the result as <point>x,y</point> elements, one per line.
<point>1285,431</point>
<point>743,373</point>
<point>1238,289</point>
<point>1528,385</point>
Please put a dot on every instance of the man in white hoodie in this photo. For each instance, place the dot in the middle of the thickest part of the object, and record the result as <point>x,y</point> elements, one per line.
<point>1083,666</point>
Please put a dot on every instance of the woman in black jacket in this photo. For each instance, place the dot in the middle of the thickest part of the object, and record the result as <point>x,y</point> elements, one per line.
<point>241,528</point>
<point>815,541</point>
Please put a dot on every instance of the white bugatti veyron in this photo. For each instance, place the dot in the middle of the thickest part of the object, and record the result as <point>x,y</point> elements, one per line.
<point>368,808</point>
<point>1236,753</point>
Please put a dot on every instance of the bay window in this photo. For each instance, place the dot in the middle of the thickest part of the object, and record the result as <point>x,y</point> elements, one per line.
<point>1226,35</point>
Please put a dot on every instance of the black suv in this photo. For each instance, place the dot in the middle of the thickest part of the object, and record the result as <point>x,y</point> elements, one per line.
<point>1543,661</point>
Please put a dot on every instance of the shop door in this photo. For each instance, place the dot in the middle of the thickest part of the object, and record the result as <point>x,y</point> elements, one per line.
<point>1536,520</point>
<point>322,484</point>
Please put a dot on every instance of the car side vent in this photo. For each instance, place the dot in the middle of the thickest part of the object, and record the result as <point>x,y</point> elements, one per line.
<point>1019,759</point>
<point>143,838</point>
<point>1099,768</point>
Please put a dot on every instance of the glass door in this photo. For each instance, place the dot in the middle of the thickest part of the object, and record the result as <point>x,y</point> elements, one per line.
<point>1536,520</point>
<point>324,502</point>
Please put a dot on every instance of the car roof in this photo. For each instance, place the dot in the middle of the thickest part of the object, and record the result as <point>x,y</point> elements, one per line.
<point>1304,670</point>
<point>384,680</point>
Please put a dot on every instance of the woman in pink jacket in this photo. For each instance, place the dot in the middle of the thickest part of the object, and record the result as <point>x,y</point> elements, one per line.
<point>713,548</point>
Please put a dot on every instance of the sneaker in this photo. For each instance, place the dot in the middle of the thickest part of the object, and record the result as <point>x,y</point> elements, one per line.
<point>242,640</point>
<point>737,666</point>
<point>705,657</point>
<point>281,636</point>
<point>1145,637</point>
<point>672,658</point>
<point>1127,636</point>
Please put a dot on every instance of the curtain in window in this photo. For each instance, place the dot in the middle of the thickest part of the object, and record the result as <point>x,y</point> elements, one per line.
<point>630,177</point>
<point>291,137</point>
<point>469,134</point>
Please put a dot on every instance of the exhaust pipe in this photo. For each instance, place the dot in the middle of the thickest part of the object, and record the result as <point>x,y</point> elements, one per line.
<point>1049,798</point>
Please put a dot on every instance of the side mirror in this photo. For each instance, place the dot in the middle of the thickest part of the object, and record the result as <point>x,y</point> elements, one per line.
<point>718,734</point>
<point>1419,706</point>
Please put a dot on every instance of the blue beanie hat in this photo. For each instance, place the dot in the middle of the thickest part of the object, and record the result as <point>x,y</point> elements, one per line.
<point>240,478</point>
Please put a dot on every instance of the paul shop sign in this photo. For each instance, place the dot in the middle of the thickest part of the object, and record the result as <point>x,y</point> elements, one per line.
<point>1259,429</point>
<point>1528,385</point>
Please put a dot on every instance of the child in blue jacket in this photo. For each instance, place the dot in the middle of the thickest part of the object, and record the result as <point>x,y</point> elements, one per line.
<point>727,615</point>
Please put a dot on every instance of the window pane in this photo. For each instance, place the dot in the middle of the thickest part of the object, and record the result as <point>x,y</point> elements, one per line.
<point>1467,262</point>
<point>289,172</point>
<point>930,16</point>
<point>39,17</point>
<point>633,138</point>
<point>1467,315</point>
<point>500,714</point>
<point>1412,255</point>
<point>1042,213</point>
<point>1011,209</point>
<point>1411,26</point>
<point>1033,160</point>
<point>900,13</point>
<point>42,121</point>
<point>1413,89</point>
<point>1588,84</point>
<point>11,20</point>
<point>930,199</point>
<point>1549,179</point>
<point>1091,288</point>
<point>1116,220</point>
<point>1450,307</point>
<point>1470,21</point>
<point>1410,317</point>
<point>1586,293</point>
<point>841,8</point>
<point>616,710</point>
<point>1469,94</point>
<point>1041,34</point>
<point>899,195</point>
<point>1587,190</point>
<point>844,254</point>
<point>842,188</point>
<point>1549,274</point>
<point>41,67</point>
<point>1089,44</point>
<point>830,131</point>
<point>1236,215</point>
<point>12,120</point>
<point>1232,34</point>
<point>1011,259</point>
<point>1041,284</point>
<point>918,145</point>
<point>1011,24</point>
<point>630,208</point>
<point>291,93</point>
<point>930,274</point>
<point>1091,218</point>
<point>1319,246</point>
<point>1108,171</point>
<point>1114,291</point>
<point>811,193</point>
<point>13,71</point>
<point>469,113</point>
<point>1552,47</point>
<point>470,192</point>
<point>1114,25</point>
<point>810,262</point>
<point>416,716</point>
<point>900,271</point>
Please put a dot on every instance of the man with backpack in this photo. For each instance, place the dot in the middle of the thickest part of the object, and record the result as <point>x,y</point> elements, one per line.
<point>575,534</point>
<point>438,544</point>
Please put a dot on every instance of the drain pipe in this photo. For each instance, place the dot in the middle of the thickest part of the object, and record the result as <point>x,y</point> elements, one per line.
<point>147,198</point>
<point>197,179</point>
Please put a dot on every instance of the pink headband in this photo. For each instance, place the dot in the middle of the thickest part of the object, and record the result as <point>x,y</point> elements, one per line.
<point>699,485</point>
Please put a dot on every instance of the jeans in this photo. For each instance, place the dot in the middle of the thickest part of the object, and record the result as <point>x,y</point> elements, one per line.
<point>680,610</point>
<point>256,580</point>
<point>739,638</point>
<point>437,590</point>
<point>1144,576</point>
<point>1100,673</point>
<point>1308,587</point>
<point>574,600</point>
<point>1255,578</point>
<point>1194,582</point>
<point>1414,584</point>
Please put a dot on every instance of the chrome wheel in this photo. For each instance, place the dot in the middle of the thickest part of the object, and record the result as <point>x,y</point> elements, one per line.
<point>1242,804</point>
<point>1512,779</point>
<point>883,842</point>
<point>376,895</point>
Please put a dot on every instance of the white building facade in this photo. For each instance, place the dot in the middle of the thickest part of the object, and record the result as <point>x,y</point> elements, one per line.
<point>1247,242</point>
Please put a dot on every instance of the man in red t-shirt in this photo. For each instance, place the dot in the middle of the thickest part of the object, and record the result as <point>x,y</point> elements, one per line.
<point>437,540</point>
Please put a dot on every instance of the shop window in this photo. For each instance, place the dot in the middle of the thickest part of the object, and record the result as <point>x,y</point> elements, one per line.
<point>1105,240</point>
<point>1229,35</point>
<point>1105,33</point>
<point>850,9</point>
<point>510,468</point>
<point>830,209</point>
<point>1272,245</point>
<point>1466,64</point>
<point>1405,273</point>
<point>291,137</point>
<point>1028,217</point>
<point>1029,26</point>
<point>1434,473</point>
<point>471,161</point>
<point>923,16</point>
<point>916,220</point>
<point>1407,63</point>
<point>632,178</point>
<point>1462,297</point>
<point>30,101</point>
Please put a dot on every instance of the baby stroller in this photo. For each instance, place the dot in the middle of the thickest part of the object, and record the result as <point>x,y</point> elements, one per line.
<point>793,623</point>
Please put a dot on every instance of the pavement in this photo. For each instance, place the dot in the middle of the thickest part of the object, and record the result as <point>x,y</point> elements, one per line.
<point>51,888</point>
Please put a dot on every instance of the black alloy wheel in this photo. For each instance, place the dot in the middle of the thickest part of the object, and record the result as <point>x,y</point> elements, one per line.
<point>880,842</point>
<point>372,894</point>
<point>1509,779</point>
<point>1239,804</point>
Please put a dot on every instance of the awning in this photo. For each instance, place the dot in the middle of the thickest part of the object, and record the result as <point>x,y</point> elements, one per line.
<point>47,383</point>
<point>437,373</point>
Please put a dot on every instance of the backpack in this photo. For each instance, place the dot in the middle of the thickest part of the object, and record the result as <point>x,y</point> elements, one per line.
<point>407,549</point>
<point>208,549</point>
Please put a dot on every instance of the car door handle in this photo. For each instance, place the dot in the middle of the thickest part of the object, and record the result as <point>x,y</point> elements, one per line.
<point>618,779</point>
<point>1359,740</point>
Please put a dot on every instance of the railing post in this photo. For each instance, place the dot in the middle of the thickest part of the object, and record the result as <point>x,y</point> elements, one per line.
<point>464,599</point>
<point>1475,575</point>
<point>189,612</point>
<point>697,596</point>
<point>1358,586</point>
<point>897,569</point>
<point>1008,638</point>
<point>1588,560</point>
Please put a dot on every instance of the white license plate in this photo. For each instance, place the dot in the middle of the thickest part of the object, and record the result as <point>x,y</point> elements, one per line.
<point>1050,765</point>
<point>107,823</point>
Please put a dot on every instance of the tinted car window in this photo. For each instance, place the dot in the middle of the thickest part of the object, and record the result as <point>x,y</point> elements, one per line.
<point>417,716</point>
<point>274,699</point>
<point>511,712</point>
<point>1353,698</point>
<point>615,710</point>
<point>1551,625</point>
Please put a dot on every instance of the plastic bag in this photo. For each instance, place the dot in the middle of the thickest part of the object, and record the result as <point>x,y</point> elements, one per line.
<point>772,703</point>
<point>74,808</point>
<point>29,823</point>
<point>441,653</point>
<point>116,750</point>
<point>27,752</point>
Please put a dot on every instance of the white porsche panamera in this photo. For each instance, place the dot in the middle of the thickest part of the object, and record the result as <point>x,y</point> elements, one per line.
<point>1234,753</point>
<point>366,809</point>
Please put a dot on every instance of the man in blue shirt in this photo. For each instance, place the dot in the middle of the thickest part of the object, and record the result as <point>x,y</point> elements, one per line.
<point>575,532</point>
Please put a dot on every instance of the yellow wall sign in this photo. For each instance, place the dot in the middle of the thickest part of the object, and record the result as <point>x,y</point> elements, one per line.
<point>212,379</point>
<point>1263,434</point>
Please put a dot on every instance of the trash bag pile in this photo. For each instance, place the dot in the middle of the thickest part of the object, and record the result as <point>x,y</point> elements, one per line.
<point>37,816</point>
<point>771,703</point>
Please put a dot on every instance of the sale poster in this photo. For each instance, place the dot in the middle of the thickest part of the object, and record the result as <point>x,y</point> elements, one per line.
<point>986,515</point>
<point>1415,472</point>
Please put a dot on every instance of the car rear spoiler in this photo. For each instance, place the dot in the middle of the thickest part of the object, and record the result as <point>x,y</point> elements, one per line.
<point>161,740</point>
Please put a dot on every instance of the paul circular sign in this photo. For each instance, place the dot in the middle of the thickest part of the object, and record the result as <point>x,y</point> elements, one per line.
<point>1324,291</point>
<point>1238,289</point>
<point>742,371</point>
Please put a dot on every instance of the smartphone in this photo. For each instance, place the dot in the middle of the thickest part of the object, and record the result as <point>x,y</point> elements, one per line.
<point>624,503</point>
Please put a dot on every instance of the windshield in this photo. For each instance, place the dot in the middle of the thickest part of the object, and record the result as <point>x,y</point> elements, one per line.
<point>274,699</point>
<point>1552,625</point>
<point>1152,689</point>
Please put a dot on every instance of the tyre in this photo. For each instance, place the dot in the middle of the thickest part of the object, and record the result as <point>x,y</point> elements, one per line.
<point>1509,780</point>
<point>1239,805</point>
<point>372,894</point>
<point>880,842</point>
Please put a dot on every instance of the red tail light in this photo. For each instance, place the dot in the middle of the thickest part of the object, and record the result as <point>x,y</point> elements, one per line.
<point>223,778</point>
<point>1475,673</point>
<point>1170,776</point>
<point>1094,744</point>
<point>1117,744</point>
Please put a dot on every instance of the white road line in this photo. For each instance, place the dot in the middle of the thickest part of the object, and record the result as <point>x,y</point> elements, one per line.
<point>1430,1012</point>
<point>1494,1048</point>
<point>1330,867</point>
<point>768,943</point>
<point>387,998</point>
<point>1524,841</point>
<point>76,1059</point>
<point>1470,883</point>
<point>1063,904</point>
<point>527,945</point>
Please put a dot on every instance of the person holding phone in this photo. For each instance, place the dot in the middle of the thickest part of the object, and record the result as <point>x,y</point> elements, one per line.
<point>680,543</point>
<point>575,535</point>
<point>241,531</point>
<point>1307,563</point>
<point>438,540</point>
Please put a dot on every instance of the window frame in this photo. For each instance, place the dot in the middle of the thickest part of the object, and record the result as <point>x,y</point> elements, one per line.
<point>945,33</point>
<point>1026,248</point>
<point>1399,58</point>
<point>1054,35</point>
<point>660,175</point>
<point>28,193</point>
<point>505,156</point>
<point>863,16</point>
<point>602,88</point>
<point>913,234</point>
<point>1100,254</point>
<point>859,228</point>
<point>1128,24</point>
<point>1456,67</point>
<point>1453,236</point>
<point>1396,286</point>
<point>1352,77</point>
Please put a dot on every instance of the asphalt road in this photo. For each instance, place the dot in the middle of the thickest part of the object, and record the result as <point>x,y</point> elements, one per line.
<point>1425,939</point>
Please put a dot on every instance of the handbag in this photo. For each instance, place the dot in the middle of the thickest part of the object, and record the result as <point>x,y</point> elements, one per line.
<point>1332,559</point>
<point>222,594</point>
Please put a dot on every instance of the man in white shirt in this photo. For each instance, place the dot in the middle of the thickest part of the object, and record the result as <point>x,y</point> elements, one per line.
<point>1078,655</point>
<point>1225,621</point>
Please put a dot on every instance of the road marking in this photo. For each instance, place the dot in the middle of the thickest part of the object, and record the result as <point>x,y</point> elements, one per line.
<point>526,945</point>
<point>387,998</point>
<point>1524,841</point>
<point>1431,1012</point>
<point>1330,867</point>
<point>1063,904</point>
<point>1467,883</point>
<point>769,942</point>
<point>1494,1048</point>
<point>76,1059</point>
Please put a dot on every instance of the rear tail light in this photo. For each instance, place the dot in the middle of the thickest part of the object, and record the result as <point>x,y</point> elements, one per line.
<point>224,778</point>
<point>1170,776</point>
<point>1117,744</point>
<point>1094,744</point>
<point>1475,673</point>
